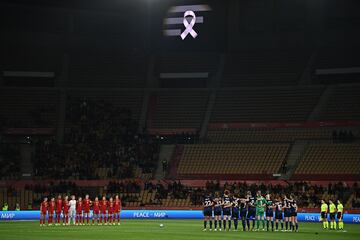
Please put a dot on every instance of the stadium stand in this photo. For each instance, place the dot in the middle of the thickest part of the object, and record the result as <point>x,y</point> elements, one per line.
<point>240,160</point>
<point>179,109</point>
<point>100,70</point>
<point>330,161</point>
<point>343,104</point>
<point>265,104</point>
<point>29,107</point>
<point>261,68</point>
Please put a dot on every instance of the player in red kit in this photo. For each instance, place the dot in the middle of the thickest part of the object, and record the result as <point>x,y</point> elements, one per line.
<point>103,210</point>
<point>43,209</point>
<point>111,211</point>
<point>87,204</point>
<point>79,210</point>
<point>96,211</point>
<point>59,207</point>
<point>51,210</point>
<point>66,210</point>
<point>117,209</point>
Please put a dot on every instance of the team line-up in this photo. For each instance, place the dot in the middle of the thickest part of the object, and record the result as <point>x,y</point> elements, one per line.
<point>78,211</point>
<point>221,211</point>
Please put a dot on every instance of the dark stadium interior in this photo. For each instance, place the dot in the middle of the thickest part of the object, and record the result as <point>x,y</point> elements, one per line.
<point>95,99</point>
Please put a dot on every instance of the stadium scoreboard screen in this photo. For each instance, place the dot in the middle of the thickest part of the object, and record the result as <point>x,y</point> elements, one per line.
<point>191,25</point>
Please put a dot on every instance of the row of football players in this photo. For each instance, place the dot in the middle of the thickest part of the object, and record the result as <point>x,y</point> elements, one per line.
<point>78,211</point>
<point>232,208</point>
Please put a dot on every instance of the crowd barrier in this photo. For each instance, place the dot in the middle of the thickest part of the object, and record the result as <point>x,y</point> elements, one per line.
<point>164,214</point>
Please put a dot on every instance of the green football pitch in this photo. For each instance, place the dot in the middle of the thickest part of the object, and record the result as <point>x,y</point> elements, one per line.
<point>172,230</point>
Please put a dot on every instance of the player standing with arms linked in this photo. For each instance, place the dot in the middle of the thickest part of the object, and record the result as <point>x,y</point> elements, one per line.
<point>59,207</point>
<point>294,209</point>
<point>217,211</point>
<point>260,210</point>
<point>66,207</point>
<point>207,205</point>
<point>235,211</point>
<point>269,212</point>
<point>79,212</point>
<point>72,210</point>
<point>43,209</point>
<point>117,209</point>
<point>279,214</point>
<point>51,211</point>
<point>243,212</point>
<point>96,211</point>
<point>103,210</point>
<point>251,211</point>
<point>86,203</point>
<point>227,204</point>
<point>111,211</point>
<point>287,213</point>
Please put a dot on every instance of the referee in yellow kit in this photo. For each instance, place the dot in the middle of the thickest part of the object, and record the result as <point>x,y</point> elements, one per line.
<point>340,215</point>
<point>332,211</point>
<point>324,211</point>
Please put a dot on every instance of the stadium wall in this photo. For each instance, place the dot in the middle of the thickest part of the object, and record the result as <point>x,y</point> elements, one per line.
<point>164,214</point>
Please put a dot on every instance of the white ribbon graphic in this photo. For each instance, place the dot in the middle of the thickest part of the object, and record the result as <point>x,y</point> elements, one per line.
<point>189,26</point>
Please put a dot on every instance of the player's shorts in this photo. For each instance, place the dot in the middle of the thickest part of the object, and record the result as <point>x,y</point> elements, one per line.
<point>339,215</point>
<point>58,212</point>
<point>269,213</point>
<point>323,215</point>
<point>251,213</point>
<point>226,211</point>
<point>287,213</point>
<point>243,212</point>
<point>278,215</point>
<point>86,211</point>
<point>294,214</point>
<point>96,215</point>
<point>79,213</point>
<point>103,212</point>
<point>43,213</point>
<point>207,212</point>
<point>217,211</point>
<point>51,212</point>
<point>235,213</point>
<point>332,216</point>
<point>260,212</point>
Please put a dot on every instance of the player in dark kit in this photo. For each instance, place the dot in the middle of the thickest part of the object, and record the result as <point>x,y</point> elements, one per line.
<point>269,212</point>
<point>243,212</point>
<point>279,214</point>
<point>251,211</point>
<point>217,211</point>
<point>207,204</point>
<point>235,213</point>
<point>293,210</point>
<point>287,212</point>
<point>227,204</point>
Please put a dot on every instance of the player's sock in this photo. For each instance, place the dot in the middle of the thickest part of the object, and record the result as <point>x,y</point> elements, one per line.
<point>267,225</point>
<point>327,224</point>
<point>257,224</point>
<point>277,225</point>
<point>282,226</point>
<point>272,225</point>
<point>243,224</point>
<point>253,223</point>
<point>229,224</point>
<point>224,224</point>
<point>331,225</point>
<point>210,222</point>
<point>215,223</point>
<point>220,224</point>
<point>297,226</point>
<point>248,223</point>
<point>286,225</point>
<point>205,223</point>
<point>342,225</point>
<point>263,224</point>
<point>236,223</point>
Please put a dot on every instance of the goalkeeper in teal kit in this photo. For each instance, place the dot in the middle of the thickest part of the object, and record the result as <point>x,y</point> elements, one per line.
<point>260,210</point>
